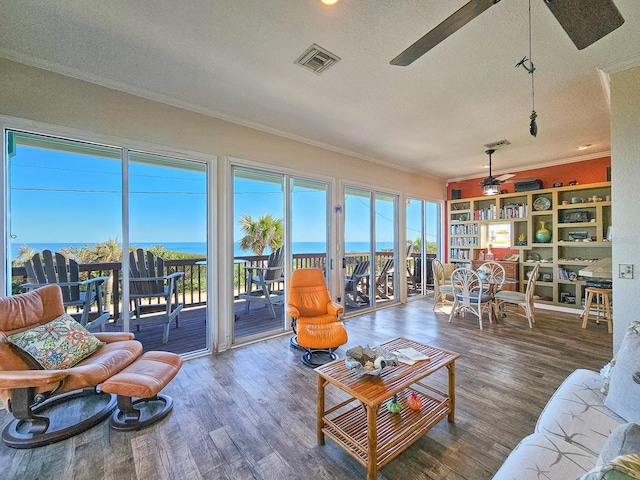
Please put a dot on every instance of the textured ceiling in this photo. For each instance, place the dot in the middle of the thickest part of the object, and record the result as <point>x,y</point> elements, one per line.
<point>234,59</point>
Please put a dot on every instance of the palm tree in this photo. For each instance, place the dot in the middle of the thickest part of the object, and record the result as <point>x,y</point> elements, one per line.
<point>24,253</point>
<point>261,233</point>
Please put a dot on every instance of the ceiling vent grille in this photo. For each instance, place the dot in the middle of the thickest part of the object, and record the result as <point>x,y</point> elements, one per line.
<point>498,144</point>
<point>317,59</point>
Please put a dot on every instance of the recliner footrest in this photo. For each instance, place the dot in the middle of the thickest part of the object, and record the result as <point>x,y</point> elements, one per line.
<point>143,380</point>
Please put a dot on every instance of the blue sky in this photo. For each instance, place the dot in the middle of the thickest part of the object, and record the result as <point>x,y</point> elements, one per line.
<point>59,197</point>
<point>67,197</point>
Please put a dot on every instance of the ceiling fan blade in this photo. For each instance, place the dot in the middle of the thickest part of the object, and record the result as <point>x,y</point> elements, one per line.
<point>451,24</point>
<point>506,176</point>
<point>586,21</point>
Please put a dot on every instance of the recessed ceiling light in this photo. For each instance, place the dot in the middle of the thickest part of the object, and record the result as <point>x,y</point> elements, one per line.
<point>329,2</point>
<point>584,147</point>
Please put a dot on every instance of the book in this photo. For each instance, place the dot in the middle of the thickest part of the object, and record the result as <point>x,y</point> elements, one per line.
<point>410,355</point>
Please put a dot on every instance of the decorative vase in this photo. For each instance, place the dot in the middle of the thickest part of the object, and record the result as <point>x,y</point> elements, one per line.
<point>543,235</point>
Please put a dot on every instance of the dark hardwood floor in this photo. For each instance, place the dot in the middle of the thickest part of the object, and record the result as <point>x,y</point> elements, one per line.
<point>249,413</point>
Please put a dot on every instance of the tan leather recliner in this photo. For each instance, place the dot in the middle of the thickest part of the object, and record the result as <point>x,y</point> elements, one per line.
<point>316,318</point>
<point>36,397</point>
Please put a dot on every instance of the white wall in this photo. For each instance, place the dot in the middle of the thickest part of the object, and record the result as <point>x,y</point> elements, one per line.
<point>36,94</point>
<point>45,97</point>
<point>625,194</point>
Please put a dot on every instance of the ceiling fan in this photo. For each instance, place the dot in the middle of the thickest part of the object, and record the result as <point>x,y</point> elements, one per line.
<point>491,184</point>
<point>585,21</point>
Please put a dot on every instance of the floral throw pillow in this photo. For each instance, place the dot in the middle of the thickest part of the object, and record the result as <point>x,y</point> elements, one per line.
<point>57,345</point>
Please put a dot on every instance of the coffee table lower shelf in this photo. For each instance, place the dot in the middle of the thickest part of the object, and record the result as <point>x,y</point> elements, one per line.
<point>395,431</point>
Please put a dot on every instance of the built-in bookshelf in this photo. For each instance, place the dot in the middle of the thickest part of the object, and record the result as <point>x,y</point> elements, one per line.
<point>577,216</point>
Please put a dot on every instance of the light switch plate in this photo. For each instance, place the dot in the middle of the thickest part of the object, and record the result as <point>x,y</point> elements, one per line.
<point>625,270</point>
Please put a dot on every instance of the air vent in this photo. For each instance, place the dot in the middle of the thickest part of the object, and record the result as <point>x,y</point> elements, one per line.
<point>498,144</point>
<point>317,59</point>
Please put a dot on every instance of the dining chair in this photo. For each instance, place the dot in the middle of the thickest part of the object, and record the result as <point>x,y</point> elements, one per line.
<point>442,287</point>
<point>524,300</point>
<point>468,294</point>
<point>493,275</point>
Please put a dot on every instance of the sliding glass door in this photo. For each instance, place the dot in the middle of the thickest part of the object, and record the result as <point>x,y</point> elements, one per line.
<point>168,220</point>
<point>74,211</point>
<point>370,228</point>
<point>423,223</point>
<point>280,224</point>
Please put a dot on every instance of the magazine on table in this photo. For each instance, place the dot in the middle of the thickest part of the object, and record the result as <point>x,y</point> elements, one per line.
<point>410,355</point>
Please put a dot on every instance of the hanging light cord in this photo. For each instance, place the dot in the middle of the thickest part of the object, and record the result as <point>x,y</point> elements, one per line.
<point>533,127</point>
<point>533,94</point>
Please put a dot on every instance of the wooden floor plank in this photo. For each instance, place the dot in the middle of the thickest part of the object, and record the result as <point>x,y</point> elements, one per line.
<point>249,413</point>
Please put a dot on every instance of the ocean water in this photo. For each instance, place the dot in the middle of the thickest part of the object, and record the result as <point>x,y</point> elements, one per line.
<point>200,247</point>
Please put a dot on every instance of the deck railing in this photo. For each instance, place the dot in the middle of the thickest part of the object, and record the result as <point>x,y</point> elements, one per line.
<point>192,287</point>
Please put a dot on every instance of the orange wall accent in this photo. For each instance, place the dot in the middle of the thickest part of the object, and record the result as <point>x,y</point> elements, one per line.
<point>584,172</point>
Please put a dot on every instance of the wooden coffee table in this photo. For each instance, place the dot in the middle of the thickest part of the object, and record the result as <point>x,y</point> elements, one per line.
<point>363,426</point>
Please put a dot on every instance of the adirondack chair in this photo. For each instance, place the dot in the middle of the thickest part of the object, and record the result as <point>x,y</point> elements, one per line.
<point>382,281</point>
<point>147,281</point>
<point>264,278</point>
<point>351,283</point>
<point>79,296</point>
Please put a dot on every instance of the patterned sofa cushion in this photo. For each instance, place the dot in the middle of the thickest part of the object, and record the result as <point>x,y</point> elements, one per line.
<point>541,456</point>
<point>576,413</point>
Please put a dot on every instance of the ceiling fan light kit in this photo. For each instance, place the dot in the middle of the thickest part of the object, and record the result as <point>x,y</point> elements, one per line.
<point>491,185</point>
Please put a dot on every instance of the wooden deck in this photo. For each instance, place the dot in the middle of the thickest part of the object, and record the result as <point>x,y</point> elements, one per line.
<point>190,336</point>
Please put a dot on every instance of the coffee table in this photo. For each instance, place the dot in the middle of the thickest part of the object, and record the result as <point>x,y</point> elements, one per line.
<point>369,433</point>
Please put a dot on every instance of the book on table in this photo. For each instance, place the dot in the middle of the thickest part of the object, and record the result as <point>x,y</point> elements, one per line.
<point>410,355</point>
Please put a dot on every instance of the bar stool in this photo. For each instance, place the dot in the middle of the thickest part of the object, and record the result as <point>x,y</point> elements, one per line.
<point>601,304</point>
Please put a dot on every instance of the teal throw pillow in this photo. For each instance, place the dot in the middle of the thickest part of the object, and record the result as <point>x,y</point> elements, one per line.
<point>57,345</point>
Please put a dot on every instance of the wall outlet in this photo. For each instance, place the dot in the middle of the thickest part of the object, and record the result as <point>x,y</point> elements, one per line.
<point>625,270</point>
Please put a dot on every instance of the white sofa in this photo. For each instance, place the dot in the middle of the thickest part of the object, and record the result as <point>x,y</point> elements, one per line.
<point>576,425</point>
<point>569,434</point>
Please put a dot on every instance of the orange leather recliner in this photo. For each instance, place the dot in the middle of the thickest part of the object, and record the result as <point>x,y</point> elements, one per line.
<point>32,395</point>
<point>316,318</point>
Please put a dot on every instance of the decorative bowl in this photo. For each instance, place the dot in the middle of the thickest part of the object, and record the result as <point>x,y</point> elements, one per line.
<point>370,360</point>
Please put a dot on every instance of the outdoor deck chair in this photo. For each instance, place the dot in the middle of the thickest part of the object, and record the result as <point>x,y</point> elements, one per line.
<point>352,293</point>
<point>264,278</point>
<point>79,296</point>
<point>382,280</point>
<point>411,276</point>
<point>147,280</point>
